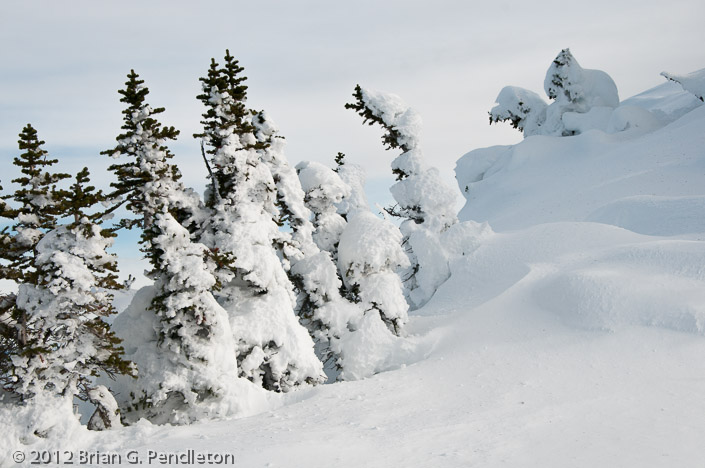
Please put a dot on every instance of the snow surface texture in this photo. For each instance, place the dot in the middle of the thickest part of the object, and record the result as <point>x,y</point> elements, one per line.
<point>558,340</point>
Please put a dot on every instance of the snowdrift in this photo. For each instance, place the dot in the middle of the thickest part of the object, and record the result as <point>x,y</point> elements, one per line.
<point>616,178</point>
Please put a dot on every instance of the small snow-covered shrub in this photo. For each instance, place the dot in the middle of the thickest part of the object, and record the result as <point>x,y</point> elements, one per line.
<point>369,255</point>
<point>582,100</point>
<point>524,109</point>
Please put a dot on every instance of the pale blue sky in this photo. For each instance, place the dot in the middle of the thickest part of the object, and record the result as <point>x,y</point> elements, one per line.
<point>62,63</point>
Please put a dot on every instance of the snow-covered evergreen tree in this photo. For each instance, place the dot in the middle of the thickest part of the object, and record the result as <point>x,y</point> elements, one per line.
<point>273,349</point>
<point>576,91</point>
<point>324,191</point>
<point>524,109</point>
<point>70,341</point>
<point>566,81</point>
<point>8,336</point>
<point>311,269</point>
<point>369,255</point>
<point>146,178</point>
<point>424,201</point>
<point>35,213</point>
<point>582,99</point>
<point>191,361</point>
<point>5,238</point>
<point>366,278</point>
<point>353,175</point>
<point>7,301</point>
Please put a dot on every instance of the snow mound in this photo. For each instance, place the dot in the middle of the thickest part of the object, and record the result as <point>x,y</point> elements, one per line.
<point>627,117</point>
<point>659,284</point>
<point>549,179</point>
<point>584,275</point>
<point>667,102</point>
<point>383,351</point>
<point>45,423</point>
<point>654,215</point>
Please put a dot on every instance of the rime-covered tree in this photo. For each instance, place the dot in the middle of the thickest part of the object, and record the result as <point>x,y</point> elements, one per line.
<point>6,213</point>
<point>324,191</point>
<point>7,301</point>
<point>574,92</point>
<point>424,202</point>
<point>566,81</point>
<point>329,316</point>
<point>369,255</point>
<point>140,180</point>
<point>224,95</point>
<point>184,369</point>
<point>71,343</point>
<point>35,213</point>
<point>273,349</point>
<point>36,210</point>
<point>524,109</point>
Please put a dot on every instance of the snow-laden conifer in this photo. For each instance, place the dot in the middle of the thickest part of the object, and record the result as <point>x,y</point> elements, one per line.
<point>524,109</point>
<point>36,209</point>
<point>5,239</point>
<point>273,349</point>
<point>566,81</point>
<point>324,191</point>
<point>581,99</point>
<point>360,322</point>
<point>369,255</point>
<point>186,361</point>
<point>319,304</point>
<point>35,212</point>
<point>146,179</point>
<point>7,301</point>
<point>69,341</point>
<point>423,200</point>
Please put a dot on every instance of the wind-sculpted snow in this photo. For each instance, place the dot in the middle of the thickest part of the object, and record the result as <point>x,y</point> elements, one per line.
<point>654,215</point>
<point>589,275</point>
<point>546,179</point>
<point>693,82</point>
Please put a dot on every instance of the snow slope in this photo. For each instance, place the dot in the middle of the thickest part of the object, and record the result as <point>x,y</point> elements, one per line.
<point>623,178</point>
<point>572,333</point>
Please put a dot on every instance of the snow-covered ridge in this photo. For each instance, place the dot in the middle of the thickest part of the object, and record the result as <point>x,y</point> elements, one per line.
<point>596,174</point>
